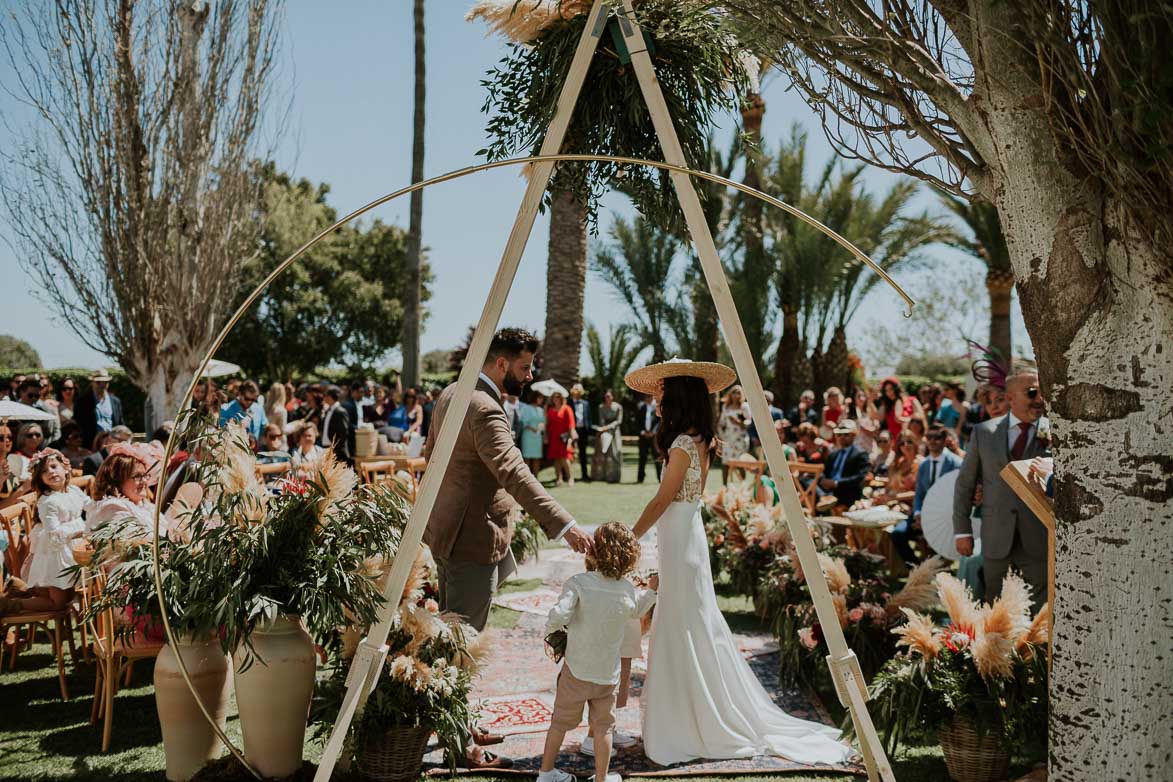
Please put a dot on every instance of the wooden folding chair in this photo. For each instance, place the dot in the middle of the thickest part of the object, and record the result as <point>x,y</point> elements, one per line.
<point>17,521</point>
<point>83,482</point>
<point>809,493</point>
<point>379,471</point>
<point>268,472</point>
<point>114,652</point>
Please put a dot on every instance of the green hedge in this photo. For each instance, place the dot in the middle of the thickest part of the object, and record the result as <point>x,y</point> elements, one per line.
<point>133,398</point>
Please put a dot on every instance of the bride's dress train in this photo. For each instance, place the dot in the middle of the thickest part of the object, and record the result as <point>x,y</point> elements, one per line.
<point>700,697</point>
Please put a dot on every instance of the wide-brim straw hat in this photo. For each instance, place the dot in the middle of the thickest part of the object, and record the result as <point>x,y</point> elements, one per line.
<point>717,377</point>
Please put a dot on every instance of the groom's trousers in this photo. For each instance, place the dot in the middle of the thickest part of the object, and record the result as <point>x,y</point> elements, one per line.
<point>467,588</point>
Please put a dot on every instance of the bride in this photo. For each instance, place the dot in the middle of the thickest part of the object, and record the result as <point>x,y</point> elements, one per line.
<point>700,698</point>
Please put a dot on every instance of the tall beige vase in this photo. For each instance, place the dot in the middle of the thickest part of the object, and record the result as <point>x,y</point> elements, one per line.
<point>273,695</point>
<point>189,741</point>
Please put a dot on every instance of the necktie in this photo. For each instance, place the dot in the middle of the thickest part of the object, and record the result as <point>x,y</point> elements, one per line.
<point>835,473</point>
<point>932,471</point>
<point>1020,444</point>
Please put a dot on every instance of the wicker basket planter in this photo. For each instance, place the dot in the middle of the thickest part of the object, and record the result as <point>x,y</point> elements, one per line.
<point>971,757</point>
<point>395,756</point>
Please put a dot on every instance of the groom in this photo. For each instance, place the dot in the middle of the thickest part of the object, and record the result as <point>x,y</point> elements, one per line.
<point>471,524</point>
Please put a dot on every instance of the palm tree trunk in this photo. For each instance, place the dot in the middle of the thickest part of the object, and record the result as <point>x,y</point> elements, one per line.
<point>754,300</point>
<point>411,304</point>
<point>1000,285</point>
<point>787,385</point>
<point>565,288</point>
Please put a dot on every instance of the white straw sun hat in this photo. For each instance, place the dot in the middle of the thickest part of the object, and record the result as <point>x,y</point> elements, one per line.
<point>717,377</point>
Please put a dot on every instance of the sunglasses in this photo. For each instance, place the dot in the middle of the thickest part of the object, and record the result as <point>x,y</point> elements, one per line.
<point>33,436</point>
<point>936,436</point>
<point>5,438</point>
<point>1032,392</point>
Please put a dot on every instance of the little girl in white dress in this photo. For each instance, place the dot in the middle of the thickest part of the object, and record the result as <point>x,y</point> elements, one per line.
<point>59,516</point>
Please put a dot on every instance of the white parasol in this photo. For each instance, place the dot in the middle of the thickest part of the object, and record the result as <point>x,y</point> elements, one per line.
<point>20,412</point>
<point>218,368</point>
<point>936,518</point>
<point>548,388</point>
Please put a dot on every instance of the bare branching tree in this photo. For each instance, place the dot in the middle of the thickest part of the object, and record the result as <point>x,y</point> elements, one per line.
<point>1060,114</point>
<point>130,191</point>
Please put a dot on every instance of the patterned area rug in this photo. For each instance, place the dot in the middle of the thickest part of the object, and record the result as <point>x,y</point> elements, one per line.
<point>516,694</point>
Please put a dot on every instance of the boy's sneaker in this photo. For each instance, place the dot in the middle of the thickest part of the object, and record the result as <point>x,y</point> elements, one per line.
<point>558,775</point>
<point>588,748</point>
<point>610,778</point>
<point>623,740</point>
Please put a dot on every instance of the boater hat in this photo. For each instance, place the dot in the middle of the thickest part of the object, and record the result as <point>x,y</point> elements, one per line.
<point>717,377</point>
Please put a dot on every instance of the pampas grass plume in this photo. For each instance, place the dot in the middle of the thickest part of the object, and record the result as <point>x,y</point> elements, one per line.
<point>917,634</point>
<point>958,601</point>
<point>993,655</point>
<point>919,592</point>
<point>838,579</point>
<point>524,21</point>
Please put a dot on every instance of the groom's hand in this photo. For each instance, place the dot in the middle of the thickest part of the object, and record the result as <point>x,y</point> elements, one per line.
<point>578,540</point>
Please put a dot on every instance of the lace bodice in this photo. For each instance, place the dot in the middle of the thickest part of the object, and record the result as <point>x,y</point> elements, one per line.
<point>691,490</point>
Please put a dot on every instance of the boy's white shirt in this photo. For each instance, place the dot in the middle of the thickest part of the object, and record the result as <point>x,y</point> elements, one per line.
<point>594,609</point>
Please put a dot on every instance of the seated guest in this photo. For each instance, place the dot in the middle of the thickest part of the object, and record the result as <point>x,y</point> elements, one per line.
<point>30,394</point>
<point>755,442</point>
<point>415,412</point>
<point>902,470</point>
<point>247,409</point>
<point>832,411</point>
<point>66,398</point>
<point>916,427</point>
<point>306,450</point>
<point>14,469</point>
<point>806,412</point>
<point>121,492</point>
<point>277,413</point>
<point>882,455</point>
<point>30,438</point>
<point>71,444</point>
<point>272,447</point>
<point>119,434</point>
<point>810,448</point>
<point>847,466</point>
<point>938,462</point>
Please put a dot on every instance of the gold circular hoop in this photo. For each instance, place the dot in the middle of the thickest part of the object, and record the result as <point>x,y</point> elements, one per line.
<point>451,175</point>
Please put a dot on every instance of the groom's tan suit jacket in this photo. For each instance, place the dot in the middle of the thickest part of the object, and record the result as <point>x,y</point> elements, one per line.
<point>486,479</point>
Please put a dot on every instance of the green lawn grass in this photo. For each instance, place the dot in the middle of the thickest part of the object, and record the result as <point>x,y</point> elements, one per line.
<point>43,738</point>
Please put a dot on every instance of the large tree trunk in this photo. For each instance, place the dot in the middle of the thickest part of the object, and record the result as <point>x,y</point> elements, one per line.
<point>165,381</point>
<point>1098,303</point>
<point>750,287</point>
<point>565,288</point>
<point>1000,285</point>
<point>787,386</point>
<point>411,302</point>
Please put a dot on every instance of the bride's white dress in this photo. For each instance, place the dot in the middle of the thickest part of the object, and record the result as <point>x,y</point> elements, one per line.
<point>700,698</point>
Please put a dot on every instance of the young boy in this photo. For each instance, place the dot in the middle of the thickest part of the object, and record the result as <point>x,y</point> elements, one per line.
<point>594,609</point>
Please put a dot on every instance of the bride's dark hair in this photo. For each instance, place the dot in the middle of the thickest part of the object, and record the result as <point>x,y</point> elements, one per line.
<point>685,408</point>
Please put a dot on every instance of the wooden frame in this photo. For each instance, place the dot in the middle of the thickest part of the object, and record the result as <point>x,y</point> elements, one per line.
<point>1017,477</point>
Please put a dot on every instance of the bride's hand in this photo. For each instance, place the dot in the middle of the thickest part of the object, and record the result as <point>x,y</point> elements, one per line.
<point>578,540</point>
<point>654,582</point>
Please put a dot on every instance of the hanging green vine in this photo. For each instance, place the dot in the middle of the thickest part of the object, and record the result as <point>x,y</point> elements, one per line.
<point>696,62</point>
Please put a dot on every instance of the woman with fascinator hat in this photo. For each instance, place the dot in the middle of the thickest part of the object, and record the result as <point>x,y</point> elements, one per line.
<point>700,698</point>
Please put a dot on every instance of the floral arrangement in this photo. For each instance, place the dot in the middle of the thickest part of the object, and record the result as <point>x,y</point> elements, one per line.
<point>528,539</point>
<point>428,673</point>
<point>698,64</point>
<point>987,666</point>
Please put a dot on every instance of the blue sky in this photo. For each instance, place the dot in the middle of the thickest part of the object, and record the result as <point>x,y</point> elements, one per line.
<point>348,74</point>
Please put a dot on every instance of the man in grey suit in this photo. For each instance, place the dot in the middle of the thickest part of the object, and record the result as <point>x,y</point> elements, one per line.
<point>1012,536</point>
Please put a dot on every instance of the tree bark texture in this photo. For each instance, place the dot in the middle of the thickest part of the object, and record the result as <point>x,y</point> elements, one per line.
<point>412,311</point>
<point>1000,286</point>
<point>565,288</point>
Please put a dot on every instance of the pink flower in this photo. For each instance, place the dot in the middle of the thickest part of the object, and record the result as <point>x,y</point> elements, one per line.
<point>855,614</point>
<point>807,637</point>
<point>764,545</point>
<point>432,606</point>
<point>719,540</point>
<point>878,614</point>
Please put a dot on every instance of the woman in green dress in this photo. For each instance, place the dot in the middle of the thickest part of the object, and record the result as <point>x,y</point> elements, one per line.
<point>607,464</point>
<point>532,417</point>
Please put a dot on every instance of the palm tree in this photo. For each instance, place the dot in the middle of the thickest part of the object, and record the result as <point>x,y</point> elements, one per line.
<point>989,246</point>
<point>638,267</point>
<point>411,303</point>
<point>612,362</point>
<point>566,270</point>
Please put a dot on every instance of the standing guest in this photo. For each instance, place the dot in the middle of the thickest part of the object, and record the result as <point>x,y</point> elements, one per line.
<point>30,394</point>
<point>49,404</point>
<point>277,413</point>
<point>306,452</point>
<point>66,399</point>
<point>608,462</point>
<point>649,422</point>
<point>938,462</point>
<point>429,408</point>
<point>560,434</point>
<point>72,446</point>
<point>582,422</point>
<point>354,403</point>
<point>532,417</point>
<point>882,455</point>
<point>930,398</point>
<point>396,413</point>
<point>896,408</point>
<point>805,411</point>
<point>247,409</point>
<point>733,428</point>
<point>832,411</point>
<point>59,521</point>
<point>810,448</point>
<point>998,403</point>
<point>30,438</point>
<point>415,412</point>
<point>952,410</point>
<point>369,391</point>
<point>755,442</point>
<point>98,410</point>
<point>511,406</point>
<point>14,468</point>
<point>337,432</point>
<point>119,434</point>
<point>847,467</point>
<point>376,413</point>
<point>1012,536</point>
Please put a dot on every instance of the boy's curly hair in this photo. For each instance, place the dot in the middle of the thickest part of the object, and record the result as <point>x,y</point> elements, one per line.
<point>616,550</point>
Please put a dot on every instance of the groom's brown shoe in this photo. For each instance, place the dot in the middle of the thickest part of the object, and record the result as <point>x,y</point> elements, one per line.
<point>482,738</point>
<point>484,760</point>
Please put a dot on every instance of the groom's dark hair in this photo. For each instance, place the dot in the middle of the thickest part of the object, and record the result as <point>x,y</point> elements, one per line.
<point>511,343</point>
<point>685,408</point>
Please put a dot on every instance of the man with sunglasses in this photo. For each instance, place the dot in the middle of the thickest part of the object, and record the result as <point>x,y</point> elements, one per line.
<point>1011,535</point>
<point>939,461</point>
<point>30,394</point>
